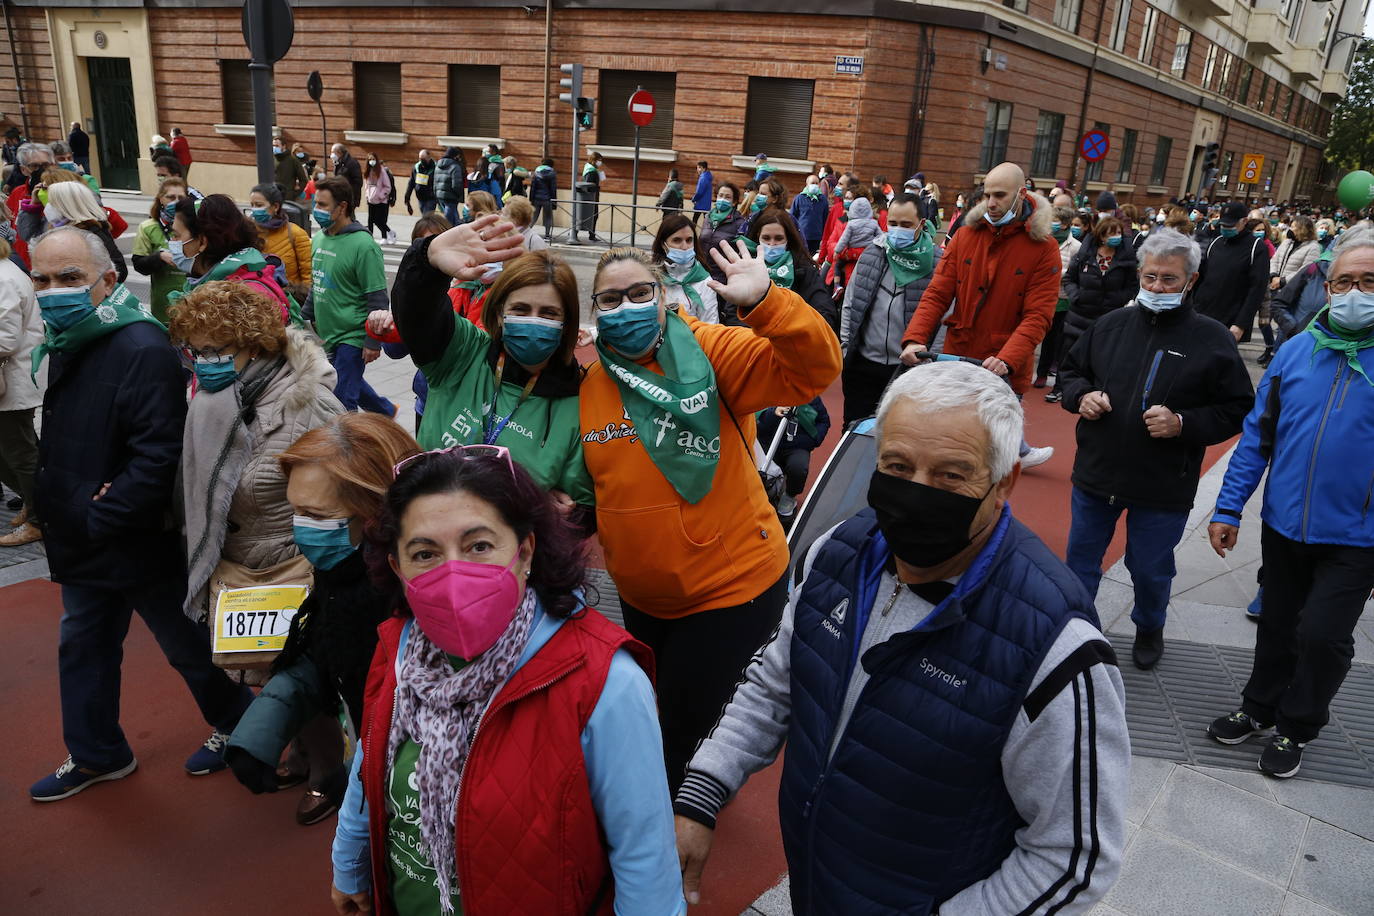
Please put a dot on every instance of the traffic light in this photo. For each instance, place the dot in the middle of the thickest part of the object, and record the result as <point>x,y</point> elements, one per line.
<point>571,85</point>
<point>1211,153</point>
<point>586,112</point>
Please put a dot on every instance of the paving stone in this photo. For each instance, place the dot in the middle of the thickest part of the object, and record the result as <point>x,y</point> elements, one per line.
<point>1256,783</point>
<point>777,900</point>
<point>1294,905</point>
<point>1336,870</point>
<point>1192,878</point>
<point>1148,775</point>
<point>1347,807</point>
<point>1235,826</point>
<point>1218,625</point>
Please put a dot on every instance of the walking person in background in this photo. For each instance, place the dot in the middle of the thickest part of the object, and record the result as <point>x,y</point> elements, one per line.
<point>1235,273</point>
<point>1299,250</point>
<point>670,201</point>
<point>298,152</point>
<point>449,175</point>
<point>701,197</point>
<point>21,331</point>
<point>347,168</point>
<point>678,253</point>
<point>588,196</point>
<point>151,256</point>
<point>421,184</point>
<point>289,171</point>
<point>112,434</point>
<point>80,142</point>
<point>1309,431</point>
<point>517,179</point>
<point>380,194</point>
<point>809,210</point>
<point>281,238</point>
<point>1048,364</point>
<point>775,238</point>
<point>520,212</point>
<point>181,148</point>
<point>349,282</point>
<point>543,195</point>
<point>723,224</point>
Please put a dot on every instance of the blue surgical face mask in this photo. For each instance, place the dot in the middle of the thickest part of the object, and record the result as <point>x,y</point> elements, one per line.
<point>1353,310</point>
<point>772,254</point>
<point>215,373</point>
<point>1158,302</point>
<point>759,203</point>
<point>277,150</point>
<point>62,307</point>
<point>260,214</point>
<point>1322,234</point>
<point>325,542</point>
<point>168,213</point>
<point>530,340</point>
<point>632,328</point>
<point>1230,232</point>
<point>1258,233</point>
<point>681,256</point>
<point>323,218</point>
<point>1076,231</point>
<point>1113,241</point>
<point>898,237</point>
<point>1006,217</point>
<point>183,261</point>
<point>1056,225</point>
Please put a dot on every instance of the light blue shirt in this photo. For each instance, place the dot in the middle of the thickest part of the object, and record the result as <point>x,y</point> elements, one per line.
<point>623,748</point>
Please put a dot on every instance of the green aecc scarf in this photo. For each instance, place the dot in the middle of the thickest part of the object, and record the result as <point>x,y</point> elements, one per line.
<point>687,283</point>
<point>782,272</point>
<point>914,261</point>
<point>120,308</point>
<point>1338,341</point>
<point>677,414</point>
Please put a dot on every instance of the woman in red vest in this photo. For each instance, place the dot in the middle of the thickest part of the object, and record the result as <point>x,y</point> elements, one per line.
<point>510,760</point>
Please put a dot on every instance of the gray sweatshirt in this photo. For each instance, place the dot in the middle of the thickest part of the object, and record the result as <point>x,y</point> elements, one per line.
<point>1057,851</point>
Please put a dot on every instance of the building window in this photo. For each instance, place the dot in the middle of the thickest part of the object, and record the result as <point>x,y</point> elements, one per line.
<point>778,122</point>
<point>474,101</point>
<point>1263,93</point>
<point>237,91</point>
<point>1049,133</point>
<point>613,108</point>
<point>1182,46</point>
<point>1123,171</point>
<point>1093,172</point>
<point>1067,14</point>
<point>1209,67</point>
<point>1164,148</point>
<point>1295,22</point>
<point>1246,79</point>
<point>995,131</point>
<point>1147,35</point>
<point>377,97</point>
<point>1288,8</point>
<point>1274,99</point>
<point>1018,5</point>
<point>1225,174</point>
<point>1326,29</point>
<point>1121,27</point>
<point>1288,106</point>
<point>1227,67</point>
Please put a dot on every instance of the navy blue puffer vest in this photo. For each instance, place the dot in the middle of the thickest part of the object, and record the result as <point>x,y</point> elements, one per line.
<point>912,808</point>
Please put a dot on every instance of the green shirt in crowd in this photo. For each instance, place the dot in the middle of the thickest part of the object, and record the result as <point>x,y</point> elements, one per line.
<point>414,882</point>
<point>345,268</point>
<point>165,279</point>
<point>543,433</point>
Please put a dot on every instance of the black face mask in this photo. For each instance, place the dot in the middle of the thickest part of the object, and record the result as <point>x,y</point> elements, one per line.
<point>924,525</point>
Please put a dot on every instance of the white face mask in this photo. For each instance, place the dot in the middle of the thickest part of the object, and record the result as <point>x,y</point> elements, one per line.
<point>1353,310</point>
<point>1158,302</point>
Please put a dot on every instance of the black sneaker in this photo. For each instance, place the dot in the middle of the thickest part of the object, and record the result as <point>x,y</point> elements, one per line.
<point>1148,648</point>
<point>1236,728</point>
<point>1054,397</point>
<point>1265,357</point>
<point>1281,758</point>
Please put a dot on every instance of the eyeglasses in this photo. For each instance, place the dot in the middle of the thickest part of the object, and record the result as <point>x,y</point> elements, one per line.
<point>639,294</point>
<point>463,451</point>
<point>1345,284</point>
<point>210,354</point>
<point>1167,280</point>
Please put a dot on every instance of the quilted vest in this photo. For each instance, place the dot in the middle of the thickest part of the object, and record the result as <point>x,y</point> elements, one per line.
<point>528,838</point>
<point>868,274</point>
<point>912,808</point>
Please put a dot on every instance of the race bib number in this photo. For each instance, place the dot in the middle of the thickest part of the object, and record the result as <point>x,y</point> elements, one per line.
<point>421,179</point>
<point>255,619</point>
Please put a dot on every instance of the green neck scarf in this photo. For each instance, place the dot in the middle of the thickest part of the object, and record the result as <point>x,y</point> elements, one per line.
<point>1343,341</point>
<point>688,282</point>
<point>914,261</point>
<point>782,271</point>
<point>120,308</point>
<point>718,216</point>
<point>676,414</point>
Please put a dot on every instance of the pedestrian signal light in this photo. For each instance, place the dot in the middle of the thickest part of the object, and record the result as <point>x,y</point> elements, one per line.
<point>586,112</point>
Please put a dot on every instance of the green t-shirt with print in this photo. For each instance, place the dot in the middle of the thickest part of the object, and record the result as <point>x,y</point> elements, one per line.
<point>345,268</point>
<point>414,882</point>
<point>543,434</point>
<point>166,279</point>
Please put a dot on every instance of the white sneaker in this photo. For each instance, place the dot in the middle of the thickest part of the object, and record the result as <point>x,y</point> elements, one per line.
<point>390,237</point>
<point>787,504</point>
<point>1037,456</point>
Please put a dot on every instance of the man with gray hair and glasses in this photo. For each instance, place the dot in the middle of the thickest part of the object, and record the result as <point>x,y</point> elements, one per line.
<point>1312,429</point>
<point>1153,385</point>
<point>954,718</point>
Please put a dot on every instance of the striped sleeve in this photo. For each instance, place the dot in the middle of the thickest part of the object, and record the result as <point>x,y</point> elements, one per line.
<point>1067,768</point>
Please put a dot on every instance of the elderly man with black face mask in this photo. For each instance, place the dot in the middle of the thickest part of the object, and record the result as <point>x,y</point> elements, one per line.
<point>1153,386</point>
<point>954,718</point>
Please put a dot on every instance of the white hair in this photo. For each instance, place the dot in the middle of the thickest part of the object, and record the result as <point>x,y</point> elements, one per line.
<point>28,152</point>
<point>101,263</point>
<point>942,386</point>
<point>75,202</point>
<point>1361,236</point>
<point>1170,243</point>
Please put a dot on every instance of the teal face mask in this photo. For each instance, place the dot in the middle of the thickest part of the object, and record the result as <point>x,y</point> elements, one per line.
<point>325,542</point>
<point>323,218</point>
<point>724,206</point>
<point>63,307</point>
<point>759,203</point>
<point>260,214</point>
<point>1076,231</point>
<point>1113,241</point>
<point>1230,232</point>
<point>632,328</point>
<point>530,340</point>
<point>215,374</point>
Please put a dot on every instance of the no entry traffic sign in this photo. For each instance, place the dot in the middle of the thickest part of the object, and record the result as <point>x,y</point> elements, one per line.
<point>641,107</point>
<point>1093,145</point>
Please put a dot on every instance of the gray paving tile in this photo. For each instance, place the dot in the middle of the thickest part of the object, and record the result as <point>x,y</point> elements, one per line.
<point>1148,775</point>
<point>1347,807</point>
<point>776,901</point>
<point>1103,910</point>
<point>1294,905</point>
<point>22,572</point>
<point>1231,589</point>
<point>1253,782</point>
<point>1336,870</point>
<point>1192,878</point>
<point>1218,625</point>
<point>1233,825</point>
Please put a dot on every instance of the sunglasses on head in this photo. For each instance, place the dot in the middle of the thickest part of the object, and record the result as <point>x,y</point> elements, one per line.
<point>462,451</point>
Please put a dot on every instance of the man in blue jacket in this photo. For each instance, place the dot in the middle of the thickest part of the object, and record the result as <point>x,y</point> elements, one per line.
<point>954,718</point>
<point>1311,429</point>
<point>112,425</point>
<point>809,210</point>
<point>705,192</point>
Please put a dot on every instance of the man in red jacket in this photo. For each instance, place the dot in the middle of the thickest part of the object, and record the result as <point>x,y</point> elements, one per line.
<point>182,150</point>
<point>1003,276</point>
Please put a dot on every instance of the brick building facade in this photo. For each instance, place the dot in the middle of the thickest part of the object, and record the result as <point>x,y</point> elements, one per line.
<point>947,89</point>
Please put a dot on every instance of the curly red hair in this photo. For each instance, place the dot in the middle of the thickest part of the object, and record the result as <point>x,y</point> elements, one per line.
<point>226,313</point>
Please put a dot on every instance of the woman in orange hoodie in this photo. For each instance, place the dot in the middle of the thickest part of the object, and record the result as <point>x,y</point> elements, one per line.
<point>690,539</point>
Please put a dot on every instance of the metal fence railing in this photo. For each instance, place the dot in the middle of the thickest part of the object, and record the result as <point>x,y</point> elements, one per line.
<point>614,224</point>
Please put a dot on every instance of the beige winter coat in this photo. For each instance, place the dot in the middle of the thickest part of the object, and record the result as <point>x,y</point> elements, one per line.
<point>297,401</point>
<point>21,329</point>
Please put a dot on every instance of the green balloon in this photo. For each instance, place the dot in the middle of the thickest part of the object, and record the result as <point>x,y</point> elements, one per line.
<point>1356,190</point>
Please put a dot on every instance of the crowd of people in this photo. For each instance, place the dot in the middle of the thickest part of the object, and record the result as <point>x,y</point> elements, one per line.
<point>489,742</point>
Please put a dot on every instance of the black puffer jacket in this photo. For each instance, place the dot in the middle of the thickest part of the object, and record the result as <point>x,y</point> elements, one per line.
<point>1091,292</point>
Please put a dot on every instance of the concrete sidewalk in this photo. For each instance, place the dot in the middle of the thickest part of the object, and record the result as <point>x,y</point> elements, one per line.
<point>1214,840</point>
